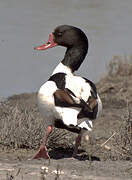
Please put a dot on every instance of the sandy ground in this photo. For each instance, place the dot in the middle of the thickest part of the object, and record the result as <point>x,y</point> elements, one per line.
<point>24,168</point>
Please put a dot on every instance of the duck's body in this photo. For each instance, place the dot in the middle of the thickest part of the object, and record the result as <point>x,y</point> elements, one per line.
<point>68,101</point>
<point>54,109</point>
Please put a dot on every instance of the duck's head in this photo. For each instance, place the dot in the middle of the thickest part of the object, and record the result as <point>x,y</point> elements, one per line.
<point>65,35</point>
<point>74,40</point>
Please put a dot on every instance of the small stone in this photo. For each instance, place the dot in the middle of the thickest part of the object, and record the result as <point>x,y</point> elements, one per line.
<point>45,169</point>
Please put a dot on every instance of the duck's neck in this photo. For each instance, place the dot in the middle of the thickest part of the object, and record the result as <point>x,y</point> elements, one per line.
<point>74,56</point>
<point>62,68</point>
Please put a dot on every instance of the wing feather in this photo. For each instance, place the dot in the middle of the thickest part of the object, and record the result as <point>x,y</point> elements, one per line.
<point>66,98</point>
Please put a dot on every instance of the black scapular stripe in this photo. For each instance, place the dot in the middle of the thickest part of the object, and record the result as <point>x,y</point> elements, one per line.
<point>59,79</point>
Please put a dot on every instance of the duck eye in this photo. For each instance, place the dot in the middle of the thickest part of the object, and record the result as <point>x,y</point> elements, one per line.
<point>59,34</point>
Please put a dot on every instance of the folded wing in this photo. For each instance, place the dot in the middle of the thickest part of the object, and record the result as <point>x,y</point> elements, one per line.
<point>66,98</point>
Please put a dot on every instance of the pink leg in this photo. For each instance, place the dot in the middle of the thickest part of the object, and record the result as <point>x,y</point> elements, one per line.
<point>43,152</point>
<point>78,142</point>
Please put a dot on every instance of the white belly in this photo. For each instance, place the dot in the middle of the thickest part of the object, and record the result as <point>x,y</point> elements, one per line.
<point>69,117</point>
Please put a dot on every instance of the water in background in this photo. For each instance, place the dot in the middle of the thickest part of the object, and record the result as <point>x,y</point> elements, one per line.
<point>27,23</point>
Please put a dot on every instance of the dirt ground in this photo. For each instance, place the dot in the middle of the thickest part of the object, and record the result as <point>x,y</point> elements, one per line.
<point>20,166</point>
<point>105,153</point>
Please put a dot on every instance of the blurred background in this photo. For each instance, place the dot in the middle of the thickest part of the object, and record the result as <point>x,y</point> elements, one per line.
<point>27,23</point>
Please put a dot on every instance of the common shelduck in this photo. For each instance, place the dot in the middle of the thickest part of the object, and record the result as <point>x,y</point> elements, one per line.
<point>65,100</point>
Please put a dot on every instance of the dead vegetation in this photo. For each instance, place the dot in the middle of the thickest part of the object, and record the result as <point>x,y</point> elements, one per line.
<point>116,92</point>
<point>121,144</point>
<point>21,125</point>
<point>116,86</point>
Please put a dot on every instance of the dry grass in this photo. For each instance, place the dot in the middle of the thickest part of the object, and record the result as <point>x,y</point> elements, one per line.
<point>121,144</point>
<point>21,125</point>
<point>116,91</point>
<point>116,86</point>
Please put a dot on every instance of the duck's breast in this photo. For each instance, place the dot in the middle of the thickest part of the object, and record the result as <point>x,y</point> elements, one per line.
<point>46,101</point>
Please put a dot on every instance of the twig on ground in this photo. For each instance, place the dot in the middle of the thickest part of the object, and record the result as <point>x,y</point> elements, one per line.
<point>108,139</point>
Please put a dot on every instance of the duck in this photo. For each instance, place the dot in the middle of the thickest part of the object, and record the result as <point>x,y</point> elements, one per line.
<point>66,100</point>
